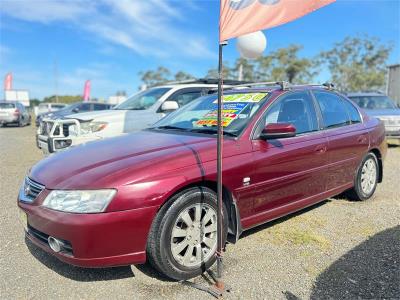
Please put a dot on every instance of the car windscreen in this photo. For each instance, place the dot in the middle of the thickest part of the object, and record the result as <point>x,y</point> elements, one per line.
<point>201,114</point>
<point>142,100</point>
<point>7,105</point>
<point>373,102</point>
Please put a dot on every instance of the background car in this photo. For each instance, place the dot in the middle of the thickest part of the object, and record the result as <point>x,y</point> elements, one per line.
<point>137,112</point>
<point>13,112</point>
<point>380,106</point>
<point>78,107</point>
<point>151,195</point>
<point>48,107</point>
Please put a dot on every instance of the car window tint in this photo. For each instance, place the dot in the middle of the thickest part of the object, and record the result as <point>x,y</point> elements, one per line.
<point>333,111</point>
<point>57,106</point>
<point>295,108</point>
<point>352,111</point>
<point>100,107</point>
<point>6,105</point>
<point>187,97</point>
<point>84,107</point>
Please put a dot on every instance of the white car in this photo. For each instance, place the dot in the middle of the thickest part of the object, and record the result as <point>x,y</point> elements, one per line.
<point>48,107</point>
<point>136,113</point>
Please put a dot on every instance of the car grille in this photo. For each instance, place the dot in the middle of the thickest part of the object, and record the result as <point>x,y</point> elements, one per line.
<point>32,189</point>
<point>46,127</point>
<point>66,129</point>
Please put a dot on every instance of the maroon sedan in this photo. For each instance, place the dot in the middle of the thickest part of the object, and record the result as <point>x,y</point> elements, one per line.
<point>151,195</point>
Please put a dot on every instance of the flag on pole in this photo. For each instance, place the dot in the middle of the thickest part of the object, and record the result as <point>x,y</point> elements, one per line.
<point>86,91</point>
<point>238,17</point>
<point>8,82</point>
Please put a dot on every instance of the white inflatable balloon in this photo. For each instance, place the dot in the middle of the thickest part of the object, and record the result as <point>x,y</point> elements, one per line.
<point>251,45</point>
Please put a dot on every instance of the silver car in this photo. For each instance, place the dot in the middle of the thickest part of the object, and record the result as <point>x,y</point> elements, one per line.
<point>13,112</point>
<point>380,106</point>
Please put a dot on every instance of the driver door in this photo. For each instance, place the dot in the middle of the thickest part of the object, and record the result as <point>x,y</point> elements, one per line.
<point>289,169</point>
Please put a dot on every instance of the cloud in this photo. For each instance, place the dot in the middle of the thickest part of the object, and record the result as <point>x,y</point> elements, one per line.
<point>147,27</point>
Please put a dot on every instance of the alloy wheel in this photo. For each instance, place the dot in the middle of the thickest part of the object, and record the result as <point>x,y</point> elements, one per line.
<point>194,235</point>
<point>368,176</point>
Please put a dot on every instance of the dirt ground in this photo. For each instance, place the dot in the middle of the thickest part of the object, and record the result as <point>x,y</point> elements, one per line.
<point>337,249</point>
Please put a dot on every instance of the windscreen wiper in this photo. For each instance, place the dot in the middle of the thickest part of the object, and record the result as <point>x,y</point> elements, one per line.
<point>169,127</point>
<point>213,131</point>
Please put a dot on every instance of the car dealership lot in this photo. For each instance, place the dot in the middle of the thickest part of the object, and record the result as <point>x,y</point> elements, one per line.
<point>328,250</point>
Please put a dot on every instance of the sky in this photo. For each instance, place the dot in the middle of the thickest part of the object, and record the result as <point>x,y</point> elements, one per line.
<point>110,42</point>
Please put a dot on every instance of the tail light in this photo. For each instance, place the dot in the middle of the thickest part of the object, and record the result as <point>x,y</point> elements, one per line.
<point>16,112</point>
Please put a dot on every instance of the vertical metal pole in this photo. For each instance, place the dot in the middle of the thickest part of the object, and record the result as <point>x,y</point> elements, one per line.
<point>219,282</point>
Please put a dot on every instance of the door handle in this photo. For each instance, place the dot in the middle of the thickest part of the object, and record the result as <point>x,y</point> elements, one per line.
<point>320,149</point>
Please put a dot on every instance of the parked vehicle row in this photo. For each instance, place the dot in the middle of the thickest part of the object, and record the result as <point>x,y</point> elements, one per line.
<point>380,106</point>
<point>78,107</point>
<point>151,195</point>
<point>137,112</point>
<point>13,112</point>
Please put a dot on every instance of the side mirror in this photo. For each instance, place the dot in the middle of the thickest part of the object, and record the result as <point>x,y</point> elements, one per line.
<point>169,106</point>
<point>278,131</point>
<point>76,110</point>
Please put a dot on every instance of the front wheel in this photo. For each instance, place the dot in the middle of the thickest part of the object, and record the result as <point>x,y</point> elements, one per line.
<point>366,179</point>
<point>183,239</point>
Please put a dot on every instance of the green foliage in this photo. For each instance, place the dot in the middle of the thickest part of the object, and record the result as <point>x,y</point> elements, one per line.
<point>358,63</point>
<point>151,78</point>
<point>181,76</point>
<point>282,64</point>
<point>162,75</point>
<point>63,99</point>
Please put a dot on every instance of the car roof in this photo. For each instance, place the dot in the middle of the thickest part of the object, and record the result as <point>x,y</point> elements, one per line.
<point>182,86</point>
<point>361,94</point>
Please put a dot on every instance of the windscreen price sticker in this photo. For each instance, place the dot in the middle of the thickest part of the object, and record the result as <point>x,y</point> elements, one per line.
<point>230,111</point>
<point>248,97</point>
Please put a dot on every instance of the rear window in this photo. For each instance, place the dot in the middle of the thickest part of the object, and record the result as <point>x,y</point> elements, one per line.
<point>43,105</point>
<point>59,106</point>
<point>353,112</point>
<point>334,113</point>
<point>373,102</point>
<point>7,105</point>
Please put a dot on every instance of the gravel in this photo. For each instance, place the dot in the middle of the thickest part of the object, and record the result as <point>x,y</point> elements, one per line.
<point>337,249</point>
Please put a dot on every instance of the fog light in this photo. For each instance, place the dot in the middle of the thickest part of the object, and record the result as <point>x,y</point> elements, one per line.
<point>54,244</point>
<point>60,144</point>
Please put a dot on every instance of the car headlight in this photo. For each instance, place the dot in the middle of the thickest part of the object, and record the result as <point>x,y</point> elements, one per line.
<point>82,201</point>
<point>89,127</point>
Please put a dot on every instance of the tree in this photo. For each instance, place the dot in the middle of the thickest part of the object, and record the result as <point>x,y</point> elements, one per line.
<point>244,69</point>
<point>63,99</point>
<point>181,76</point>
<point>358,63</point>
<point>284,64</point>
<point>151,78</point>
<point>227,72</point>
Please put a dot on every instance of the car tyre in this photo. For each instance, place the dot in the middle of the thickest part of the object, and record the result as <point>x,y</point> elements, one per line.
<point>366,179</point>
<point>183,238</point>
<point>20,123</point>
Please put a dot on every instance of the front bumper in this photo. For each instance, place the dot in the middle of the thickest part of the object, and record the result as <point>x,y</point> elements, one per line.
<point>8,119</point>
<point>96,240</point>
<point>392,132</point>
<point>54,135</point>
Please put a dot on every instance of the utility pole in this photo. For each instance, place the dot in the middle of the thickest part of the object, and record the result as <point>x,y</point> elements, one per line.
<point>56,79</point>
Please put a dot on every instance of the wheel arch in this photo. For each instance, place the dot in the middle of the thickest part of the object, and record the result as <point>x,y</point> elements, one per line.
<point>380,163</point>
<point>234,223</point>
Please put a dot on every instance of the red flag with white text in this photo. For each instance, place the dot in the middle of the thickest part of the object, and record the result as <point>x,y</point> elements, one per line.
<point>239,17</point>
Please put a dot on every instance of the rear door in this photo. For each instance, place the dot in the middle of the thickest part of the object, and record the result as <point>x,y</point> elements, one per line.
<point>347,136</point>
<point>289,169</point>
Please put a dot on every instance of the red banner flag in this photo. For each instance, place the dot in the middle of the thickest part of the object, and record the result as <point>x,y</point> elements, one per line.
<point>238,17</point>
<point>8,82</point>
<point>86,91</point>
